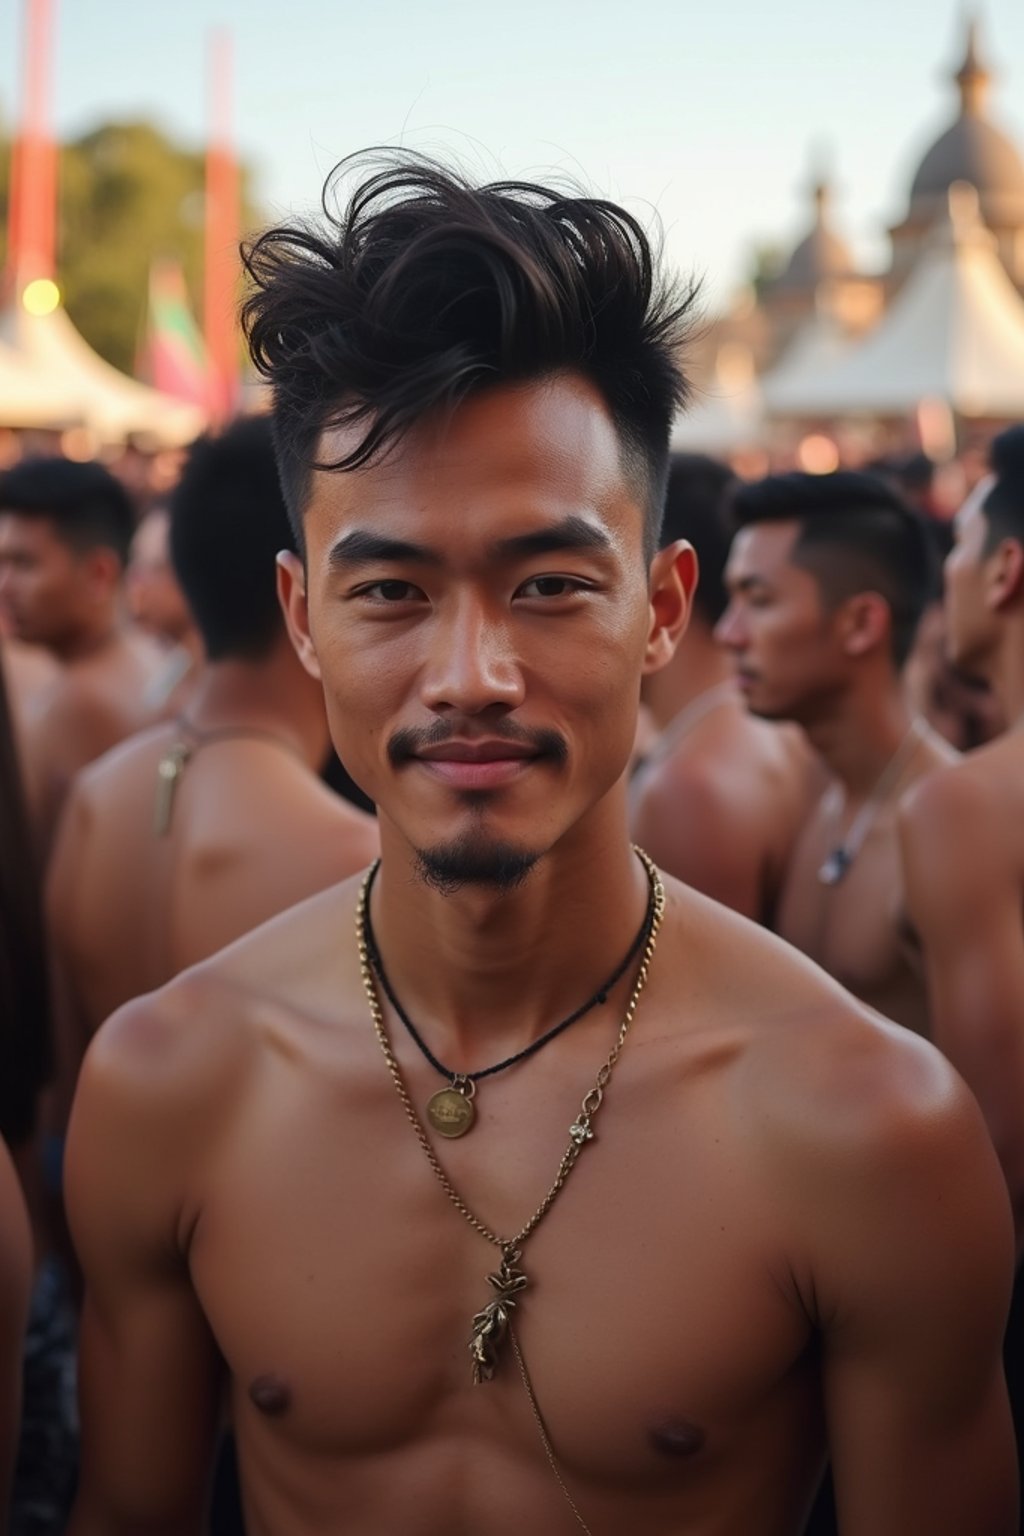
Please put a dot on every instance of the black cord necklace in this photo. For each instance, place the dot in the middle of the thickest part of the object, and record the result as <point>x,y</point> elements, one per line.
<point>451,1111</point>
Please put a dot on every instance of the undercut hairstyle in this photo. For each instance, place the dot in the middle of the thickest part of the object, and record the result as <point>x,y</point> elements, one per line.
<point>228,523</point>
<point>87,505</point>
<point>1004,505</point>
<point>856,534</point>
<point>426,289</point>
<point>696,508</point>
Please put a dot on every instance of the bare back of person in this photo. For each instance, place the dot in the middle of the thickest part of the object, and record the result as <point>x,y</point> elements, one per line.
<point>253,831</point>
<point>96,700</point>
<point>857,929</point>
<point>721,807</point>
<point>709,1271</point>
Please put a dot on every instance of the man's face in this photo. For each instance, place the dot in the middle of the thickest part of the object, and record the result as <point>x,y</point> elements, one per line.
<point>969,620</point>
<point>776,625</point>
<point>155,600</point>
<point>480,613</point>
<point>41,581</point>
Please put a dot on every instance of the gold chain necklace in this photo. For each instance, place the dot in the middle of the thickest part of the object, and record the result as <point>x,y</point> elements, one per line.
<point>492,1323</point>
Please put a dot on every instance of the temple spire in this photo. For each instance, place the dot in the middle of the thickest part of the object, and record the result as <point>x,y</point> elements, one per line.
<point>973,77</point>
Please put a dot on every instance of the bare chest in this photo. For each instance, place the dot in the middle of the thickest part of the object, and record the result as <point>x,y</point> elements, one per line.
<point>341,1285</point>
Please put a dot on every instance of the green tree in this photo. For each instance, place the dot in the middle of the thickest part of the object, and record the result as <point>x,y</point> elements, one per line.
<point>127,195</point>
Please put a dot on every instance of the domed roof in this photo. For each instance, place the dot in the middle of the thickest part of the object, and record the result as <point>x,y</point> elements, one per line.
<point>972,149</point>
<point>821,254</point>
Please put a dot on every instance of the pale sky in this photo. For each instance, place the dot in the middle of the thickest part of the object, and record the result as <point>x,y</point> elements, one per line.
<point>708,114</point>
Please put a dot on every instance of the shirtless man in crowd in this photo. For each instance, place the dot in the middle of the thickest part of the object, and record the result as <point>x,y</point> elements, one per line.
<point>828,577</point>
<point>721,796</point>
<point>151,872</point>
<point>963,829</point>
<point>768,1198</point>
<point>65,530</point>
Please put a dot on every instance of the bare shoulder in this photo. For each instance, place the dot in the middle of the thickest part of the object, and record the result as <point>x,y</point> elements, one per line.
<point>815,1068</point>
<point>966,816</point>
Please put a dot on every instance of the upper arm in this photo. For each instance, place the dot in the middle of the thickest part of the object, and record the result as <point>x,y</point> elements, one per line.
<point>149,1368</point>
<point>15,1281</point>
<point>913,1268</point>
<point>963,897</point>
<point>689,826</point>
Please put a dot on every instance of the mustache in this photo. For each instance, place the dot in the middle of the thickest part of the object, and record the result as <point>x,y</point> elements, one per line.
<point>409,741</point>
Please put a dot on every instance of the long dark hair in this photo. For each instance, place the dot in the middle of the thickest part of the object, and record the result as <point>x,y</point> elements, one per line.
<point>26,1041</point>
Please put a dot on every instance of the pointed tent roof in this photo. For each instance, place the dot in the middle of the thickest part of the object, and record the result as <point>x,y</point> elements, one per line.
<point>112,404</point>
<point>817,346</point>
<point>954,332</point>
<point>29,399</point>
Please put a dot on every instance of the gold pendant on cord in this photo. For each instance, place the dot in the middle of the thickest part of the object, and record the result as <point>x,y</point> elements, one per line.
<point>450,1110</point>
<point>491,1323</point>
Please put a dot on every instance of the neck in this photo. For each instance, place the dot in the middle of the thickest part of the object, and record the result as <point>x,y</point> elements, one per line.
<point>274,696</point>
<point>457,963</point>
<point>699,664</point>
<point>1006,672</point>
<point>858,734</point>
<point>88,640</point>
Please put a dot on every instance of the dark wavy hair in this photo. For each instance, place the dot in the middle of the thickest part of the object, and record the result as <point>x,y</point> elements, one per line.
<point>427,288</point>
<point>856,534</point>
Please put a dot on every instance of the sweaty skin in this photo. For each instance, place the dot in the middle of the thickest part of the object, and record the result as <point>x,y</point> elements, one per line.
<point>787,1203</point>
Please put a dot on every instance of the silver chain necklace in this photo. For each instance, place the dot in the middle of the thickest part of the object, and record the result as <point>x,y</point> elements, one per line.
<point>837,862</point>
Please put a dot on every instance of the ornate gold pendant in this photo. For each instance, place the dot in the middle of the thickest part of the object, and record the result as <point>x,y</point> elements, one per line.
<point>490,1325</point>
<point>450,1110</point>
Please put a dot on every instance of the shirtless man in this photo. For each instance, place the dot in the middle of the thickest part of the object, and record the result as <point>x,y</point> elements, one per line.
<point>722,795</point>
<point>65,529</point>
<point>963,829</point>
<point>828,576</point>
<point>248,829</point>
<point>780,1195</point>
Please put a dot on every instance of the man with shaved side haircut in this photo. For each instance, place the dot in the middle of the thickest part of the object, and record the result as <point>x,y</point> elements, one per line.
<point>828,577</point>
<point>514,1185</point>
<point>721,796</point>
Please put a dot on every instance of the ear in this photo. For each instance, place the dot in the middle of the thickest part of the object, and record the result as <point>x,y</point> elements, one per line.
<point>291,592</point>
<point>672,583</point>
<point>103,571</point>
<point>864,622</point>
<point>1004,575</point>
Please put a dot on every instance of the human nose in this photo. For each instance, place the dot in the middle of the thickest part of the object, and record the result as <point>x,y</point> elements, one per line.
<point>471,664</point>
<point>730,631</point>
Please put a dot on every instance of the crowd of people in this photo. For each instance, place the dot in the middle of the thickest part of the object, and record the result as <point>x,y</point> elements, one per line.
<point>511,941</point>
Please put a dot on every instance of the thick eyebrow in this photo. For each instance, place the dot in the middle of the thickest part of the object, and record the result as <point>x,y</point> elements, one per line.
<point>744,583</point>
<point>363,547</point>
<point>573,532</point>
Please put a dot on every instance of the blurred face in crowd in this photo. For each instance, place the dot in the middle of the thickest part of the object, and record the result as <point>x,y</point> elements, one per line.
<point>155,601</point>
<point>777,627</point>
<point>49,592</point>
<point>970,621</point>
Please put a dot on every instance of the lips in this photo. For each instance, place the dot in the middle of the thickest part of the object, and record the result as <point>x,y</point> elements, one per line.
<point>477,764</point>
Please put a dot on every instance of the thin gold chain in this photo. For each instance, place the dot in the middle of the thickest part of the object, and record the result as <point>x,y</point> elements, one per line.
<point>580,1131</point>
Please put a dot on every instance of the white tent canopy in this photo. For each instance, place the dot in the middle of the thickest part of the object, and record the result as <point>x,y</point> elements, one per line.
<point>28,398</point>
<point>817,347</point>
<point>112,404</point>
<point>954,332</point>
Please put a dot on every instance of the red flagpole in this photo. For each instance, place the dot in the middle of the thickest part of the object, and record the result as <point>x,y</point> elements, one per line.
<point>32,216</point>
<point>221,236</point>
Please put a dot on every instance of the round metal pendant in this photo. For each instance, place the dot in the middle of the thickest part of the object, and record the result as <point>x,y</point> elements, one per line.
<point>450,1113</point>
